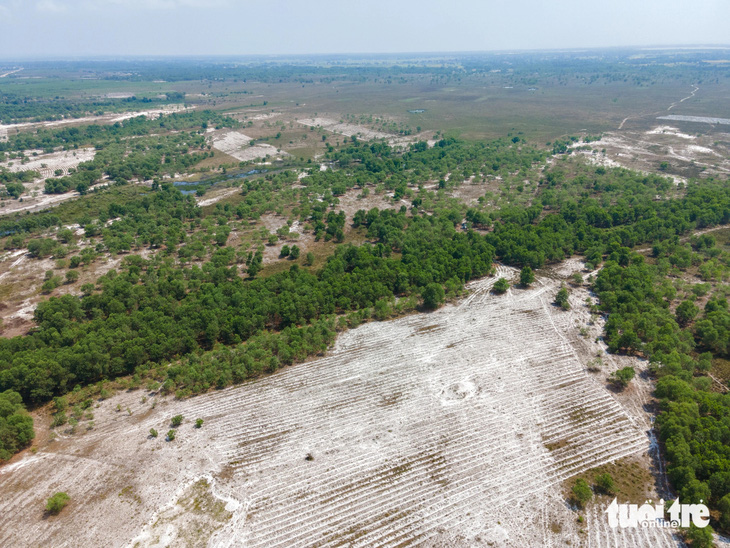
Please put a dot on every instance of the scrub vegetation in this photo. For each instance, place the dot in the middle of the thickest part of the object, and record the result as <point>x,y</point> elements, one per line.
<point>159,261</point>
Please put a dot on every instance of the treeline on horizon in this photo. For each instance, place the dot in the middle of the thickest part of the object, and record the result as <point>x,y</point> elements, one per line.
<point>621,61</point>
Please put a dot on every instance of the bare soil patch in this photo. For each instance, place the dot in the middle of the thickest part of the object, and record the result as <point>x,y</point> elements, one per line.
<point>237,145</point>
<point>431,429</point>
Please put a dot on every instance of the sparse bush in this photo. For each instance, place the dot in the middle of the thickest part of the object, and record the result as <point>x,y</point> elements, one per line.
<point>170,435</point>
<point>500,286</point>
<point>527,276</point>
<point>605,484</point>
<point>50,285</point>
<point>57,502</point>
<point>60,403</point>
<point>699,537</point>
<point>59,419</point>
<point>153,433</point>
<point>623,376</point>
<point>176,421</point>
<point>561,298</point>
<point>198,423</point>
<point>581,492</point>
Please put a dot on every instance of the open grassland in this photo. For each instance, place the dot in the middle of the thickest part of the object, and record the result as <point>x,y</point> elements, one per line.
<point>484,110</point>
<point>449,428</point>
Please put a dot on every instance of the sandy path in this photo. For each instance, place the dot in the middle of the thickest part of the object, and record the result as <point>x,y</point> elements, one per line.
<point>218,197</point>
<point>11,72</point>
<point>671,117</point>
<point>361,132</point>
<point>695,90</point>
<point>104,118</point>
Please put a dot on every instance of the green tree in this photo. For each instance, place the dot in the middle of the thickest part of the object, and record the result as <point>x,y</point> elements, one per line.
<point>500,286</point>
<point>561,298</point>
<point>623,376</point>
<point>16,426</point>
<point>57,502</point>
<point>433,296</point>
<point>309,260</point>
<point>581,492</point>
<point>294,253</point>
<point>198,423</point>
<point>176,421</point>
<point>605,483</point>
<point>153,432</point>
<point>686,312</point>
<point>700,537</point>
<point>724,507</point>
<point>527,276</point>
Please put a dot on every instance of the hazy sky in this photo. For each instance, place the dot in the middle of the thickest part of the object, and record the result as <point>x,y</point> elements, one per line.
<point>40,28</point>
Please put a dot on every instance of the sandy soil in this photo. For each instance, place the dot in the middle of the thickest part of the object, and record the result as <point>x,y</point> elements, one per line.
<point>104,118</point>
<point>154,113</point>
<point>35,203</point>
<point>236,144</point>
<point>5,74</point>
<point>689,156</point>
<point>215,196</point>
<point>696,119</point>
<point>351,203</point>
<point>454,428</point>
<point>669,130</point>
<point>266,116</point>
<point>22,276</point>
<point>47,164</point>
<point>361,132</point>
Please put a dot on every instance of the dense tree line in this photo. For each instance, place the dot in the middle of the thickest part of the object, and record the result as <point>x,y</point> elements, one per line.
<point>16,108</point>
<point>652,312</point>
<point>154,311</point>
<point>97,134</point>
<point>16,426</point>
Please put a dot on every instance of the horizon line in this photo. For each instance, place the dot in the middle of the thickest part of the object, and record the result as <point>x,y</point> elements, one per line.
<point>183,56</point>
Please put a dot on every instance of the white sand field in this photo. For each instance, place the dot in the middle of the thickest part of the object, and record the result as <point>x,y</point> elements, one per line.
<point>454,428</point>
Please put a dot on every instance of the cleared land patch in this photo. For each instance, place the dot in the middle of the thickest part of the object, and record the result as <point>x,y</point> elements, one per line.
<point>354,130</point>
<point>428,429</point>
<point>238,145</point>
